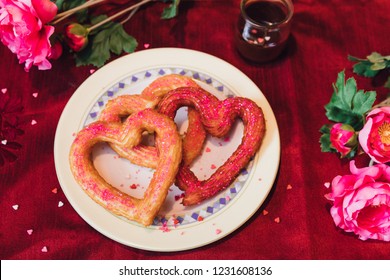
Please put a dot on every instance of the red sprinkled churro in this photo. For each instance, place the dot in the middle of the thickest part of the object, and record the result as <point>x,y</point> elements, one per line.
<point>217,118</point>
<point>168,145</point>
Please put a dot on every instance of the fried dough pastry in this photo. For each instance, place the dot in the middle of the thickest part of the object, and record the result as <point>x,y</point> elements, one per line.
<point>169,149</point>
<point>217,118</point>
<point>125,105</point>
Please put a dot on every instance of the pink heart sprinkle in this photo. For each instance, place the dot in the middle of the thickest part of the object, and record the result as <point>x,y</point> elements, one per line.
<point>29,231</point>
<point>213,166</point>
<point>4,90</point>
<point>33,122</point>
<point>4,142</point>
<point>277,220</point>
<point>54,190</point>
<point>15,207</point>
<point>146,46</point>
<point>265,212</point>
<point>35,94</point>
<point>208,150</point>
<point>92,71</point>
<point>327,185</point>
<point>218,231</point>
<point>44,249</point>
<point>289,187</point>
<point>60,204</point>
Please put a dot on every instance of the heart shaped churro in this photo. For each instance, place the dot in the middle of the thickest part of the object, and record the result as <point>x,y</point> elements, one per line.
<point>217,118</point>
<point>125,105</point>
<point>169,149</point>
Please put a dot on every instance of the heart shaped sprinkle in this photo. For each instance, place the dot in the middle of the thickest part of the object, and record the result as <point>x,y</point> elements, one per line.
<point>35,94</point>
<point>29,231</point>
<point>4,142</point>
<point>4,90</point>
<point>60,204</point>
<point>217,117</point>
<point>33,122</point>
<point>44,249</point>
<point>54,190</point>
<point>146,45</point>
<point>16,207</point>
<point>128,134</point>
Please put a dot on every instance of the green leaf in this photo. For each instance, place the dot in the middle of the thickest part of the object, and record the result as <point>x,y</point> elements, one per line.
<point>387,84</point>
<point>326,146</point>
<point>171,11</point>
<point>121,41</point>
<point>363,101</point>
<point>363,68</point>
<point>375,57</point>
<point>112,39</point>
<point>347,104</point>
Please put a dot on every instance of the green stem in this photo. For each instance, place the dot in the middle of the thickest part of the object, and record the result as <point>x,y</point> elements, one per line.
<point>61,16</point>
<point>118,14</point>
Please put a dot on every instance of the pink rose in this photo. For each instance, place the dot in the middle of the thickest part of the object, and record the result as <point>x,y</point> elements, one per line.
<point>24,30</point>
<point>375,135</point>
<point>361,201</point>
<point>343,138</point>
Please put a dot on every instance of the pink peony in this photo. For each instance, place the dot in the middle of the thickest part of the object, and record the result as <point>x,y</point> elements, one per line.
<point>343,138</point>
<point>361,201</point>
<point>375,135</point>
<point>24,30</point>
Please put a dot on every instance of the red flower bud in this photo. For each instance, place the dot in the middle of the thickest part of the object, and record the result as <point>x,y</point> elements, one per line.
<point>56,50</point>
<point>76,36</point>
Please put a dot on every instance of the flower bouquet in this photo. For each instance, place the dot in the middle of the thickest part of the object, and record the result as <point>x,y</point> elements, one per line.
<point>37,31</point>
<point>361,199</point>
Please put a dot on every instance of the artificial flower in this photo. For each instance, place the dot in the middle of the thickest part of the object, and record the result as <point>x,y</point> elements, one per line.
<point>343,138</point>
<point>34,29</point>
<point>361,201</point>
<point>25,31</point>
<point>375,135</point>
<point>76,36</point>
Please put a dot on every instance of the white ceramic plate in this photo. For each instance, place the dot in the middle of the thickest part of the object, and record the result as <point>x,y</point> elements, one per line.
<point>176,227</point>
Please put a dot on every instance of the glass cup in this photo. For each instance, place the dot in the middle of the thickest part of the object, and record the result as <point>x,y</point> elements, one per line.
<point>263,28</point>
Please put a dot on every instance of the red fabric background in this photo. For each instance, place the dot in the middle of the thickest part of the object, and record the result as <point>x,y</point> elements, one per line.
<point>297,86</point>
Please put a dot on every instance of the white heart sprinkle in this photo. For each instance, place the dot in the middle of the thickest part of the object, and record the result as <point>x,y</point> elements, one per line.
<point>4,142</point>
<point>4,90</point>
<point>267,38</point>
<point>44,249</point>
<point>35,94</point>
<point>33,122</point>
<point>29,231</point>
<point>60,204</point>
<point>15,206</point>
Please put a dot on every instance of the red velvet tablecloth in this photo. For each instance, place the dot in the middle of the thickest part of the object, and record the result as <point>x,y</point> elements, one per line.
<point>297,85</point>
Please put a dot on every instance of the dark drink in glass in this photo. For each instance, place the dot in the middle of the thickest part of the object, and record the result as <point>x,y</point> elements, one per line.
<point>263,28</point>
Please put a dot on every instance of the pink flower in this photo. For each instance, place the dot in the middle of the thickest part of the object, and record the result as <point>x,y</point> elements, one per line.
<point>361,201</point>
<point>375,135</point>
<point>24,30</point>
<point>76,36</point>
<point>343,138</point>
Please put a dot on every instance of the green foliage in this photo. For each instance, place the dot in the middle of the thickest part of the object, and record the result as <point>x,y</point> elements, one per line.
<point>109,38</point>
<point>348,105</point>
<point>171,11</point>
<point>371,66</point>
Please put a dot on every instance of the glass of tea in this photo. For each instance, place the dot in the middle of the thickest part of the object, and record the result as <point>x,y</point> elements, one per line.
<point>263,28</point>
